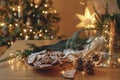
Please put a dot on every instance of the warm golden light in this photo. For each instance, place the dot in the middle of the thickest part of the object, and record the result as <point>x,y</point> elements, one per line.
<point>46,30</point>
<point>16,24</point>
<point>12,42</point>
<point>36,1</point>
<point>12,67</point>
<point>8,43</point>
<point>119,60</point>
<point>46,5</point>
<point>11,54</point>
<point>26,37</point>
<point>30,30</point>
<point>45,12</point>
<point>31,4</point>
<point>9,62</point>
<point>55,11</point>
<point>19,10</point>
<point>36,6</point>
<point>13,9</point>
<point>62,72</point>
<point>34,32</point>
<point>2,24</point>
<point>18,7</point>
<point>10,25</point>
<point>40,35</point>
<point>25,30</point>
<point>87,20</point>
<point>83,73</point>
<point>40,30</point>
<point>21,34</point>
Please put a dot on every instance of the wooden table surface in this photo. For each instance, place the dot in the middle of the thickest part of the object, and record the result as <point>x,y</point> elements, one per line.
<point>16,70</point>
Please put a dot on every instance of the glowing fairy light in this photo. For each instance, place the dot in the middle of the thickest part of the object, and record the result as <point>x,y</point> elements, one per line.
<point>46,30</point>
<point>31,4</point>
<point>40,35</point>
<point>34,32</point>
<point>21,34</point>
<point>62,72</point>
<point>11,42</point>
<point>16,24</point>
<point>2,24</point>
<point>8,43</point>
<point>30,30</point>
<point>55,11</point>
<point>45,12</point>
<point>26,37</point>
<point>25,30</point>
<point>46,5</point>
<point>119,60</point>
<point>36,6</point>
<point>13,9</point>
<point>40,30</point>
<point>10,25</point>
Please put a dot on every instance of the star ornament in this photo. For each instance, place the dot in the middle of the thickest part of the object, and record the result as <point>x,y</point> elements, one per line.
<point>87,20</point>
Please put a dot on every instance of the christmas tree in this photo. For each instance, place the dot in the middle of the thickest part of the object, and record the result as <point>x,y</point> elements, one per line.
<point>27,19</point>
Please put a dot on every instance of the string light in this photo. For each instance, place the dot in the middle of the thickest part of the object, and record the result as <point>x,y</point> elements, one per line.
<point>10,25</point>
<point>2,24</point>
<point>30,30</point>
<point>119,60</point>
<point>46,5</point>
<point>46,30</point>
<point>13,9</point>
<point>45,12</point>
<point>16,24</point>
<point>21,34</point>
<point>18,7</point>
<point>31,4</point>
<point>12,42</point>
<point>40,30</point>
<point>12,67</point>
<point>62,72</point>
<point>40,35</point>
<point>55,11</point>
<point>83,73</point>
<point>36,6</point>
<point>17,12</point>
<point>11,54</point>
<point>25,30</point>
<point>34,32</point>
<point>33,15</point>
<point>9,62</point>
<point>26,37</point>
<point>8,43</point>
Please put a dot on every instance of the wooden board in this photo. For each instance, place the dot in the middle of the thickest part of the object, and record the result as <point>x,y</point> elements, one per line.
<point>17,70</point>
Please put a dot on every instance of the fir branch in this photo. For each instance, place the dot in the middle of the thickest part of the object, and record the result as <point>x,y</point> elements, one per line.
<point>97,13</point>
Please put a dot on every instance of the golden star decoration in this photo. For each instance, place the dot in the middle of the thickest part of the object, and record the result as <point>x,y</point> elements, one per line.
<point>87,20</point>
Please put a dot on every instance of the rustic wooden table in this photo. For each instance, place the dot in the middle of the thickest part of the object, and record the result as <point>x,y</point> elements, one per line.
<point>16,70</point>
